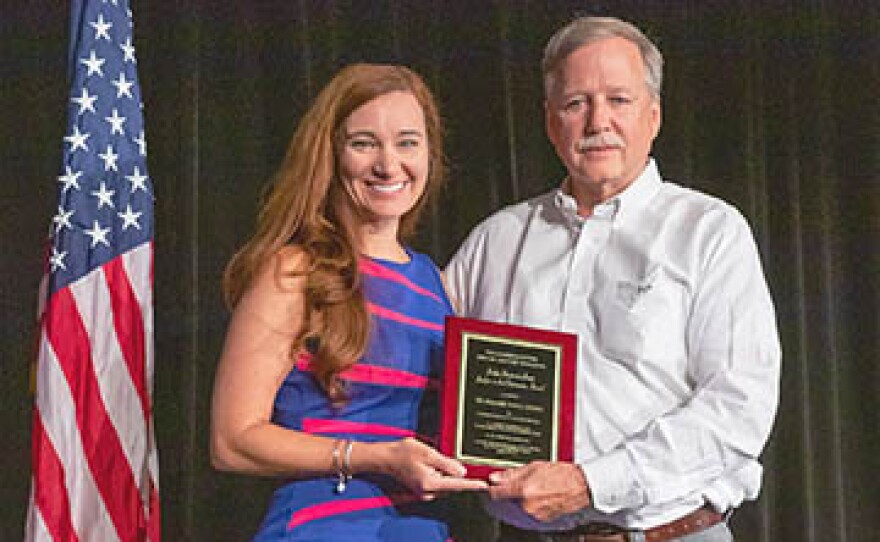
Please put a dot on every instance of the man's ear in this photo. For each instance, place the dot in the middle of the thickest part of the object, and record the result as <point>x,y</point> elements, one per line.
<point>656,117</point>
<point>549,123</point>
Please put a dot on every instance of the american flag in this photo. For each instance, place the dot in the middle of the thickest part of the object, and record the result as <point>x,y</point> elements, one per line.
<point>95,470</point>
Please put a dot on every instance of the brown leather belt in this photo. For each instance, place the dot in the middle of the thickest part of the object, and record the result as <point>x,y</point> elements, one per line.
<point>696,521</point>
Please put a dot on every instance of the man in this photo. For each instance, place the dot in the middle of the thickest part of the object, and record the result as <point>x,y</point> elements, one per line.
<point>678,363</point>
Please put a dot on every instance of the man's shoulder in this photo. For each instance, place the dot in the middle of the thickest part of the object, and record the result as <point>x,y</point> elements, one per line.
<point>515,215</point>
<point>693,206</point>
<point>500,231</point>
<point>701,202</point>
<point>692,196</point>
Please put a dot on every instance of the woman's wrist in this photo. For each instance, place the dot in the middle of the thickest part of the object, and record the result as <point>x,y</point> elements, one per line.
<point>365,457</point>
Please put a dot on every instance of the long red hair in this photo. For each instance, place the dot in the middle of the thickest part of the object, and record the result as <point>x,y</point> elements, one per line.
<point>306,205</point>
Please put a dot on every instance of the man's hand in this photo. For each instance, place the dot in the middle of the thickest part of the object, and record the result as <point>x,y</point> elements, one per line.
<point>545,490</point>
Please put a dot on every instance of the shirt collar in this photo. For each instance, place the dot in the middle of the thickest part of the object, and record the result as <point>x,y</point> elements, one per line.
<point>634,197</point>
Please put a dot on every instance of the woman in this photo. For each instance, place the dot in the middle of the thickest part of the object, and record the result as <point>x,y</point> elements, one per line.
<point>336,334</point>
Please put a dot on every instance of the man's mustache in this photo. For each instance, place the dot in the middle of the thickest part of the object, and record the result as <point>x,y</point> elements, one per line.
<point>599,141</point>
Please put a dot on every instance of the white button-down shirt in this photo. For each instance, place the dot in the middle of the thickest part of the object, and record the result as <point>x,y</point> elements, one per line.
<point>679,359</point>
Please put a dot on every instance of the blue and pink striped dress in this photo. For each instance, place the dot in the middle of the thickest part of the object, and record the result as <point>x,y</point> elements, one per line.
<point>392,393</point>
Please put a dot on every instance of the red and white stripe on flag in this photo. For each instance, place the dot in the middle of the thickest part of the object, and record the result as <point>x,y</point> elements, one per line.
<point>94,462</point>
<point>94,455</point>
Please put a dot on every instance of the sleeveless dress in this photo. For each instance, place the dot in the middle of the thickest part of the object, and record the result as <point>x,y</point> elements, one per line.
<point>392,393</point>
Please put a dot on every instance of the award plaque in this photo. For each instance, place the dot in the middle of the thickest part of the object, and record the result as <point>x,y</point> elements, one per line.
<point>507,396</point>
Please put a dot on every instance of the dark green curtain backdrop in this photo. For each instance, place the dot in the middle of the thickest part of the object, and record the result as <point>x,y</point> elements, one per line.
<point>770,105</point>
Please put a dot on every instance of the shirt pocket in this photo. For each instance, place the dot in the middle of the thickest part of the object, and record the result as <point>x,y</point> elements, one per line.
<point>620,331</point>
<point>643,321</point>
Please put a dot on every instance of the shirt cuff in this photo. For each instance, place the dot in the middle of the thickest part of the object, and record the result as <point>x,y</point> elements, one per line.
<point>612,482</point>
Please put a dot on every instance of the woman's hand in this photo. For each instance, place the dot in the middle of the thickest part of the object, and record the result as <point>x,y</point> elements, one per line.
<point>422,469</point>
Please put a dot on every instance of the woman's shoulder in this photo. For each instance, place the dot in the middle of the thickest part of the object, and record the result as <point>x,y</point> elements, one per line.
<point>423,260</point>
<point>429,269</point>
<point>283,271</point>
<point>275,296</point>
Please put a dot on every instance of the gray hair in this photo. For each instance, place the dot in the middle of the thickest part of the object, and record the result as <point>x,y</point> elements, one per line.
<point>585,30</point>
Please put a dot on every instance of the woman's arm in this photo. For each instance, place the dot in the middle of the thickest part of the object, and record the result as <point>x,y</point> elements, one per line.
<point>255,360</point>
